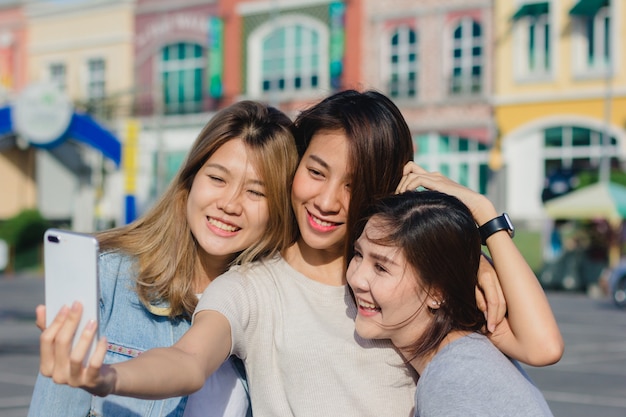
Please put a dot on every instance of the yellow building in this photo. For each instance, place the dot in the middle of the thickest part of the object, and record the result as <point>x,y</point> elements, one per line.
<point>560,94</point>
<point>86,50</point>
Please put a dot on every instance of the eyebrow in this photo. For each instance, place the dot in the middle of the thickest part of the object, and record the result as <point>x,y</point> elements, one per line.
<point>383,259</point>
<point>376,256</point>
<point>319,161</point>
<point>227,171</point>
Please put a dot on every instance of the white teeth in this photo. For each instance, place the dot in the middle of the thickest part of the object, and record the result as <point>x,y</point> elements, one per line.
<point>365,304</point>
<point>321,222</point>
<point>223,226</point>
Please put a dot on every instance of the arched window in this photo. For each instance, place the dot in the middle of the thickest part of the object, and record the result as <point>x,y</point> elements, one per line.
<point>577,149</point>
<point>288,56</point>
<point>290,59</point>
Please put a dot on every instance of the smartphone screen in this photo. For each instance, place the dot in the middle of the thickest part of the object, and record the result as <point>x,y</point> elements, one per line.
<point>71,274</point>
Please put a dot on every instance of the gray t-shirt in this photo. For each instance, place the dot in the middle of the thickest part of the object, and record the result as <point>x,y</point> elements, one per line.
<point>470,377</point>
<point>303,358</point>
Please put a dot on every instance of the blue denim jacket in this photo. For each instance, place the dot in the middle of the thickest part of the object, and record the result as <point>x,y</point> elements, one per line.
<point>130,329</point>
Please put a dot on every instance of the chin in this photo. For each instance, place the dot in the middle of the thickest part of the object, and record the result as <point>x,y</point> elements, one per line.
<point>367,331</point>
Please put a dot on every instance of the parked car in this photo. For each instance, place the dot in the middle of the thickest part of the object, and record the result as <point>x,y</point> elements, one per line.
<point>617,284</point>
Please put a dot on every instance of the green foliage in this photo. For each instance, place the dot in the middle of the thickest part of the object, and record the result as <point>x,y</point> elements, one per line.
<point>25,230</point>
<point>591,177</point>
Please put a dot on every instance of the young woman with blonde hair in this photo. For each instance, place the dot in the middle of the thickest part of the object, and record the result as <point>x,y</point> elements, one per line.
<point>226,206</point>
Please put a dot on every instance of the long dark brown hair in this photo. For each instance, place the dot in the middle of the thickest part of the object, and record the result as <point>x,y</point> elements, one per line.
<point>380,144</point>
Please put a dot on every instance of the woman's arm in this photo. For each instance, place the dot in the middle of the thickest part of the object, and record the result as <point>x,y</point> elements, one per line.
<point>530,333</point>
<point>157,373</point>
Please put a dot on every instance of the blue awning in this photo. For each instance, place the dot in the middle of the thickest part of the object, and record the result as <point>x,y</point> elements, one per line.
<point>588,8</point>
<point>82,128</point>
<point>531,10</point>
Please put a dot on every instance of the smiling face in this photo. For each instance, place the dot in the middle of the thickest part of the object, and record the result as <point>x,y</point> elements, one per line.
<point>391,303</point>
<point>227,209</point>
<point>320,193</point>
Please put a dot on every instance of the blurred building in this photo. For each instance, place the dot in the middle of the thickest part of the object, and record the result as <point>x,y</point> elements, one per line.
<point>18,186</point>
<point>434,58</point>
<point>559,95</point>
<point>500,95</point>
<point>174,59</point>
<point>57,124</point>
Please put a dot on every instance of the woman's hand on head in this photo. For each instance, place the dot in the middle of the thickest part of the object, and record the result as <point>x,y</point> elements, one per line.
<point>69,365</point>
<point>415,176</point>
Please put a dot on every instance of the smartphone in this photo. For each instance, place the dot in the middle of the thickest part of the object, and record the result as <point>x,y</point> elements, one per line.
<point>71,274</point>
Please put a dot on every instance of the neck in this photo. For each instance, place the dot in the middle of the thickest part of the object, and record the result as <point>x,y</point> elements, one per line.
<point>326,267</point>
<point>207,269</point>
<point>419,363</point>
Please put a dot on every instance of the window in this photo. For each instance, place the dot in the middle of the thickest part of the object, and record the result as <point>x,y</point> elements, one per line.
<point>95,79</point>
<point>467,58</point>
<point>576,148</point>
<point>288,56</point>
<point>182,73</point>
<point>291,60</point>
<point>403,63</point>
<point>462,159</point>
<point>532,23</point>
<point>539,45</point>
<point>58,75</point>
<point>591,36</point>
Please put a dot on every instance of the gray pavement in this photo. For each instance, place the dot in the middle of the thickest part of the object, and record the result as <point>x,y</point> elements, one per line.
<point>590,379</point>
<point>19,341</point>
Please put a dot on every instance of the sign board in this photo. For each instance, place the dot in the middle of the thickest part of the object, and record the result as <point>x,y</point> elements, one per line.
<point>41,114</point>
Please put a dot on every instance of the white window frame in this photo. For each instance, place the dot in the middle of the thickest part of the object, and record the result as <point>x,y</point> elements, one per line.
<point>433,160</point>
<point>467,61</point>
<point>191,63</point>
<point>522,29</point>
<point>55,78</point>
<point>95,80</point>
<point>403,67</point>
<point>255,58</point>
<point>580,44</point>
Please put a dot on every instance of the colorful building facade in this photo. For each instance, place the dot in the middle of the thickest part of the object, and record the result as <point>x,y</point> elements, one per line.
<point>560,87</point>
<point>83,50</point>
<point>18,186</point>
<point>434,58</point>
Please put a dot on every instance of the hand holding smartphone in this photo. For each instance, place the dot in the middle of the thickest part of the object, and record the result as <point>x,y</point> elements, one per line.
<point>71,274</point>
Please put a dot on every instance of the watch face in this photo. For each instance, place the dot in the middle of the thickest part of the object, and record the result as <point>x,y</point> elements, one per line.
<point>509,223</point>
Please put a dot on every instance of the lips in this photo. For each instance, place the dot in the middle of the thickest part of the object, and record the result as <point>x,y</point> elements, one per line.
<point>226,227</point>
<point>320,224</point>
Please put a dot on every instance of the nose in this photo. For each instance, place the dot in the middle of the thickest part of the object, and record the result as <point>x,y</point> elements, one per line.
<point>356,277</point>
<point>230,201</point>
<point>330,197</point>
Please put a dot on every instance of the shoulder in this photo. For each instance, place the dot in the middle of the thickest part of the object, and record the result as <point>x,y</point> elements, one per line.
<point>461,360</point>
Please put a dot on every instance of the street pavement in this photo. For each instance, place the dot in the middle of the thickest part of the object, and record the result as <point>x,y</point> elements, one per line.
<point>19,341</point>
<point>590,379</point>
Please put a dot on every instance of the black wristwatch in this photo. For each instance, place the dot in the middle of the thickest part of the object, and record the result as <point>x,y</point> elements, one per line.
<point>495,225</point>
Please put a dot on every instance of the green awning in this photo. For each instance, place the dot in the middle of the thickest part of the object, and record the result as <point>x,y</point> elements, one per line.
<point>588,8</point>
<point>531,10</point>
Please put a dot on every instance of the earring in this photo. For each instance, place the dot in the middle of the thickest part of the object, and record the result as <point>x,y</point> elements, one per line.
<point>436,303</point>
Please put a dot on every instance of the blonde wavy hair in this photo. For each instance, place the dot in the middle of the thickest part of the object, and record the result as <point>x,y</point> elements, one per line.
<point>161,240</point>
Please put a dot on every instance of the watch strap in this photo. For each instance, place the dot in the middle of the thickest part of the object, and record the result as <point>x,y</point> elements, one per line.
<point>502,222</point>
